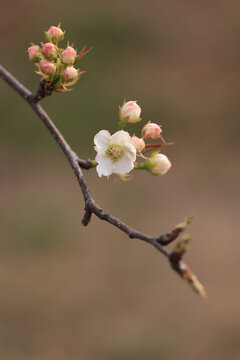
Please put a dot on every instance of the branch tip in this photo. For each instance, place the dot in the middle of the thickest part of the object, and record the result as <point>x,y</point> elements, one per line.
<point>180,248</point>
<point>170,236</point>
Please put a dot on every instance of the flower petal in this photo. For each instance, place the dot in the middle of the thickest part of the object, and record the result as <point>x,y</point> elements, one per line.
<point>123,166</point>
<point>119,137</point>
<point>130,151</point>
<point>105,165</point>
<point>101,140</point>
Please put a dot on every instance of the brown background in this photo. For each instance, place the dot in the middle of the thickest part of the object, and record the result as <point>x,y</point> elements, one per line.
<point>68,292</point>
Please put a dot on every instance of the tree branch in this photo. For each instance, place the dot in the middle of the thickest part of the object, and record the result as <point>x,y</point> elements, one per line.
<point>91,207</point>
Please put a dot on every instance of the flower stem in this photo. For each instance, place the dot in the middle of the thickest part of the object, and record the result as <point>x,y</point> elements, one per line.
<point>141,166</point>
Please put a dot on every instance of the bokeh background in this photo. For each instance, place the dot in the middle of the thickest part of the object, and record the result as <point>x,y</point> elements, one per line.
<point>69,292</point>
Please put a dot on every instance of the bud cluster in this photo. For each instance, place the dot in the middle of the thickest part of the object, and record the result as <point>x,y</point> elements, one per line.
<point>55,64</point>
<point>157,163</point>
<point>118,153</point>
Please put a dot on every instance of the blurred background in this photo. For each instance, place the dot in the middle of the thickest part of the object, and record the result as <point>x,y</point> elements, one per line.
<point>69,292</point>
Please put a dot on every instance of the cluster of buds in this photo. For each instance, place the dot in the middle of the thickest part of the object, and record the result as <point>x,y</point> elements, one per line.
<point>157,163</point>
<point>55,64</point>
<point>118,153</point>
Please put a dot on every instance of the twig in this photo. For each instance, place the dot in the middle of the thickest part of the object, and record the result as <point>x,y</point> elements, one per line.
<point>86,164</point>
<point>90,206</point>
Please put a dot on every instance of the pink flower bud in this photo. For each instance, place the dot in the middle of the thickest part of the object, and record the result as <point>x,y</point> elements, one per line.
<point>131,110</point>
<point>49,50</point>
<point>68,56</point>
<point>47,67</point>
<point>159,164</point>
<point>54,34</point>
<point>34,53</point>
<point>69,74</point>
<point>139,144</point>
<point>151,131</point>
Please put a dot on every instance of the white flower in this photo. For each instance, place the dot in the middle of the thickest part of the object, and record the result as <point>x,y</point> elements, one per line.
<point>115,154</point>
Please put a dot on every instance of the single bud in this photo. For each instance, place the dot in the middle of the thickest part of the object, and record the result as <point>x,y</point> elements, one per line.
<point>34,53</point>
<point>49,50</point>
<point>69,74</point>
<point>47,67</point>
<point>139,144</point>
<point>54,34</point>
<point>69,56</point>
<point>151,131</point>
<point>130,110</point>
<point>158,164</point>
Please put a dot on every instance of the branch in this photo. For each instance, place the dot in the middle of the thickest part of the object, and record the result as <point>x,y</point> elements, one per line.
<point>91,207</point>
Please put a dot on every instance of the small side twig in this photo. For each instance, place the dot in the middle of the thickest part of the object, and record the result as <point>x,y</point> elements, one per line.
<point>86,164</point>
<point>90,206</point>
<point>87,217</point>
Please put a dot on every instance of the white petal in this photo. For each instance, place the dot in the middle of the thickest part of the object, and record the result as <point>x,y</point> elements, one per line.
<point>119,137</point>
<point>101,140</point>
<point>105,165</point>
<point>129,148</point>
<point>123,166</point>
<point>130,151</point>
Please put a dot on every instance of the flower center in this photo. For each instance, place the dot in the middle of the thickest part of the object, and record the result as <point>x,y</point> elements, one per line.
<point>115,152</point>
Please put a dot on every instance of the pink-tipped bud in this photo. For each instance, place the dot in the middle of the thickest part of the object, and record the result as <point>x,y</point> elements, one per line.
<point>151,131</point>
<point>34,53</point>
<point>54,34</point>
<point>69,56</point>
<point>139,144</point>
<point>130,110</point>
<point>49,50</point>
<point>69,74</point>
<point>47,67</point>
<point>158,164</point>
